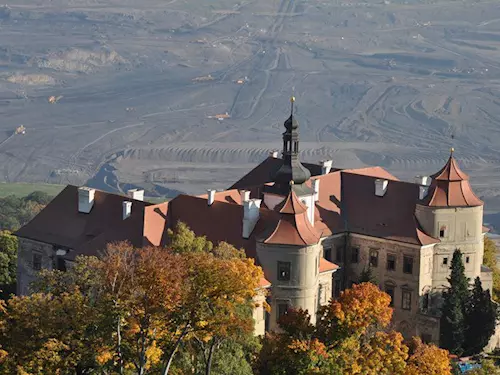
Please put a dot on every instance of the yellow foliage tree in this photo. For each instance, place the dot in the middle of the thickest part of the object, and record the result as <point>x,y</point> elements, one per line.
<point>357,309</point>
<point>427,360</point>
<point>490,260</point>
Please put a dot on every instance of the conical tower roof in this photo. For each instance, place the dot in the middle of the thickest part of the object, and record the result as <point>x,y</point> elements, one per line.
<point>450,187</point>
<point>293,227</point>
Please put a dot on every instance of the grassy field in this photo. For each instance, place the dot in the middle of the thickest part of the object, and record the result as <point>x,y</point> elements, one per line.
<point>23,189</point>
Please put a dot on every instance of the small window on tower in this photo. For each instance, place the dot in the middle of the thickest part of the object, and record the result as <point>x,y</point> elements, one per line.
<point>374,258</point>
<point>284,271</point>
<point>282,309</point>
<point>442,232</point>
<point>445,261</point>
<point>467,259</point>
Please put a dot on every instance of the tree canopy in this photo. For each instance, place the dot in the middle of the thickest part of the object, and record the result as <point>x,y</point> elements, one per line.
<point>351,337</point>
<point>16,212</point>
<point>136,311</point>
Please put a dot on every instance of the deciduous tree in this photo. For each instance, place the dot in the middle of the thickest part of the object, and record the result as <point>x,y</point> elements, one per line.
<point>357,309</point>
<point>8,262</point>
<point>427,359</point>
<point>490,260</point>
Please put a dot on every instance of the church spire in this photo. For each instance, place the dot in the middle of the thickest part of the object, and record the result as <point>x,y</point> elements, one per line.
<point>291,172</point>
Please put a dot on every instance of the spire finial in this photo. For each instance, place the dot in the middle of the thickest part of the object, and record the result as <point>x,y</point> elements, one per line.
<point>452,150</point>
<point>292,100</point>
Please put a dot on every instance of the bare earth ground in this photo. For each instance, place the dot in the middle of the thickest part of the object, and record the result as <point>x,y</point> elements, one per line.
<point>377,83</point>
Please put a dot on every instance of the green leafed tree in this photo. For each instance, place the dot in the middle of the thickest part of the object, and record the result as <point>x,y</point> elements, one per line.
<point>453,324</point>
<point>8,263</point>
<point>480,319</point>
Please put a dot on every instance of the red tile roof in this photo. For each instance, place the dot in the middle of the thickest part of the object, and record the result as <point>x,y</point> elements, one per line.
<point>61,224</point>
<point>326,266</point>
<point>293,228</point>
<point>450,188</point>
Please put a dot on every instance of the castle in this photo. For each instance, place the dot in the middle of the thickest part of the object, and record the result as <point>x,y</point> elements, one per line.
<point>313,229</point>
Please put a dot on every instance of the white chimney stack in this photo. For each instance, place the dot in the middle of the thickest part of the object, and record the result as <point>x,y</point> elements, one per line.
<point>85,199</point>
<point>136,194</point>
<point>326,166</point>
<point>127,209</point>
<point>273,154</point>
<point>422,193</point>
<point>211,196</point>
<point>315,186</point>
<point>245,195</point>
<point>423,180</point>
<point>380,187</point>
<point>250,216</point>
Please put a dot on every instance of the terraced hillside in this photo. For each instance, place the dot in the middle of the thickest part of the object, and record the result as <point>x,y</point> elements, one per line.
<point>184,95</point>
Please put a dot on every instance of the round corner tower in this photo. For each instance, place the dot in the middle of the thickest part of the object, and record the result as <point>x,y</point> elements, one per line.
<point>452,213</point>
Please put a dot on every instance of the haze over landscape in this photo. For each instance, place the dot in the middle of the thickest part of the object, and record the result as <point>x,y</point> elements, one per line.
<point>140,85</point>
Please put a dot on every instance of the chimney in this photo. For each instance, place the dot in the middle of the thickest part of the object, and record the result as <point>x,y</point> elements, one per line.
<point>315,186</point>
<point>127,209</point>
<point>422,193</point>
<point>245,195</point>
<point>326,166</point>
<point>380,187</point>
<point>423,180</point>
<point>85,199</point>
<point>136,194</point>
<point>250,216</point>
<point>211,196</point>
<point>273,154</point>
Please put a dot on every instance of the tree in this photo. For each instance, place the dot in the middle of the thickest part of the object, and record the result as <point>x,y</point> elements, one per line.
<point>480,319</point>
<point>8,261</point>
<point>453,312</point>
<point>490,260</point>
<point>427,359</point>
<point>356,310</point>
<point>367,276</point>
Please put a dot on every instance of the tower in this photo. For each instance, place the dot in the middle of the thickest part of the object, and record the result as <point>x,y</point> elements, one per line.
<point>290,250</point>
<point>450,211</point>
<point>290,253</point>
<point>291,174</point>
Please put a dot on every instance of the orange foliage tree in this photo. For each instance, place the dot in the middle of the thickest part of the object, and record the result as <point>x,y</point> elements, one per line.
<point>349,339</point>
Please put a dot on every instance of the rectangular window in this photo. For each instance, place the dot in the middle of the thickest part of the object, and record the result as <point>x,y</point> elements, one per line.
<point>374,258</point>
<point>284,271</point>
<point>355,255</point>
<point>408,265</point>
<point>389,289</point>
<point>327,254</point>
<point>338,254</point>
<point>445,261</point>
<point>391,262</point>
<point>406,300</point>
<point>61,264</point>
<point>467,259</point>
<point>441,233</point>
<point>282,309</point>
<point>37,261</point>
